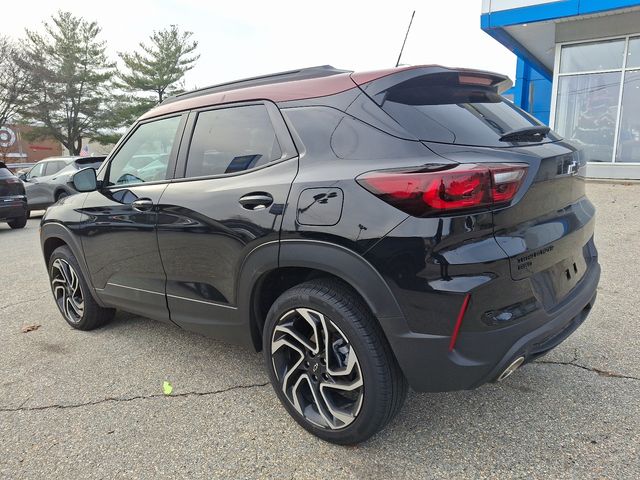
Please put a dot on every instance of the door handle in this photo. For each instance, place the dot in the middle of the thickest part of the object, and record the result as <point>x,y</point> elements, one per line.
<point>142,204</point>
<point>256,201</point>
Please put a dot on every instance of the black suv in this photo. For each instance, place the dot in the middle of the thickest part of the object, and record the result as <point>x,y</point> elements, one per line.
<point>13,201</point>
<point>367,231</point>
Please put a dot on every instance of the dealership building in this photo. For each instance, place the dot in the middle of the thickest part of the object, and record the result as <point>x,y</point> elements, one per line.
<point>578,71</point>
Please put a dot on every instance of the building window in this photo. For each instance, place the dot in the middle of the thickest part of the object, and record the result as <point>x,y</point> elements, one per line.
<point>597,93</point>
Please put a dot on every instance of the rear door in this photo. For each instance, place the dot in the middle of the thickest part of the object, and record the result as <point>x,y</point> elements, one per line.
<point>119,227</point>
<point>236,175</point>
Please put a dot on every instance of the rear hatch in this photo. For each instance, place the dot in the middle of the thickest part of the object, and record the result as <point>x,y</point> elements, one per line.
<point>547,228</point>
<point>10,185</point>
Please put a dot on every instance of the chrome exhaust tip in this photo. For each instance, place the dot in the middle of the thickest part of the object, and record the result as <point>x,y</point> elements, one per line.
<point>511,368</point>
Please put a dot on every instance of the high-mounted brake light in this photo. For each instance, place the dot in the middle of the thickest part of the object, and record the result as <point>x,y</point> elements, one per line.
<point>445,191</point>
<point>474,80</point>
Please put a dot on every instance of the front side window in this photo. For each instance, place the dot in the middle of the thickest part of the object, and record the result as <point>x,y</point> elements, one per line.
<point>231,140</point>
<point>36,171</point>
<point>144,157</point>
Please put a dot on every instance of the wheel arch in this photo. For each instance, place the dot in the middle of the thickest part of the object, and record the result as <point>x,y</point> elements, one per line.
<point>54,235</point>
<point>299,261</point>
<point>59,190</point>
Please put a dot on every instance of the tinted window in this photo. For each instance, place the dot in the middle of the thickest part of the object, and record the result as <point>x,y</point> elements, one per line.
<point>232,140</point>
<point>438,108</point>
<point>145,155</point>
<point>5,173</point>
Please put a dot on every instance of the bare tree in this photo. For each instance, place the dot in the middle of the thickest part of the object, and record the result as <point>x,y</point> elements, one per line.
<point>14,80</point>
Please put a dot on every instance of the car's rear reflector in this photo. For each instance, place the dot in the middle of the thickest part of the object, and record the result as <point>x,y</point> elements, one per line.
<point>447,190</point>
<point>456,328</point>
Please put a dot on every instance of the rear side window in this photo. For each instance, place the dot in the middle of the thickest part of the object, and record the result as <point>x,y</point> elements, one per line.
<point>231,140</point>
<point>54,167</point>
<point>449,108</point>
<point>5,173</point>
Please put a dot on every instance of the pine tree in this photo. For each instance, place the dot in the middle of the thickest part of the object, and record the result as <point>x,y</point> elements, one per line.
<point>70,77</point>
<point>160,66</point>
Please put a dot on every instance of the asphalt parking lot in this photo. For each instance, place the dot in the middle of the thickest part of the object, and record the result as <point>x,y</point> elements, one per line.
<point>90,404</point>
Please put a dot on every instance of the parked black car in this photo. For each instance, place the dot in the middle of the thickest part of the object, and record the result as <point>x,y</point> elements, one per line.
<point>49,180</point>
<point>13,201</point>
<point>367,231</point>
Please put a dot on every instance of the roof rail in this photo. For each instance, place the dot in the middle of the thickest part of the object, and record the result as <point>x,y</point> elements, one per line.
<point>299,74</point>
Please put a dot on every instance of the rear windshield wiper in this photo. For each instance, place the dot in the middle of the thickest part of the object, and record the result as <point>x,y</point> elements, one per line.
<point>527,134</point>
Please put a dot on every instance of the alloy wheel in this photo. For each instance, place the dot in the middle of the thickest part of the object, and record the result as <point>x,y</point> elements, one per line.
<point>67,291</point>
<point>317,368</point>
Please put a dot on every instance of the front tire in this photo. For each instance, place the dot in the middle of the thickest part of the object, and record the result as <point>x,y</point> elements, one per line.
<point>71,292</point>
<point>61,194</point>
<point>330,363</point>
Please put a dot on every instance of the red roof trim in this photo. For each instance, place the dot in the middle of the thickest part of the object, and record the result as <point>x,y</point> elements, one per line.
<point>276,92</point>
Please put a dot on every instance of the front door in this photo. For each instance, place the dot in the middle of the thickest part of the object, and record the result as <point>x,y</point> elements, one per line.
<point>237,176</point>
<point>119,228</point>
<point>35,192</point>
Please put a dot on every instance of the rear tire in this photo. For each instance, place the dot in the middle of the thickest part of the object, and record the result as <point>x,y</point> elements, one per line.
<point>71,292</point>
<point>308,374</point>
<point>19,222</point>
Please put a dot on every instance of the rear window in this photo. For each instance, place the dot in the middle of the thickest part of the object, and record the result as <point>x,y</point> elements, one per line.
<point>448,108</point>
<point>5,173</point>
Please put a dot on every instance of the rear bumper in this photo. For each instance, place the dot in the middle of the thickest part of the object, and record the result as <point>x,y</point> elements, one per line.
<point>480,356</point>
<point>12,209</point>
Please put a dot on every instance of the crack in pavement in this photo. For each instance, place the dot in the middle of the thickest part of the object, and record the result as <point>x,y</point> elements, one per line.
<point>130,399</point>
<point>21,302</point>
<point>573,363</point>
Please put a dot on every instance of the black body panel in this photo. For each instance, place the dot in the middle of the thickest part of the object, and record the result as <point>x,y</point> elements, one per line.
<point>205,233</point>
<point>121,249</point>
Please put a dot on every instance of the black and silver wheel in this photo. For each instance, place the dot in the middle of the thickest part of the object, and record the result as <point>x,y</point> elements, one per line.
<point>71,292</point>
<point>317,368</point>
<point>67,292</point>
<point>330,364</point>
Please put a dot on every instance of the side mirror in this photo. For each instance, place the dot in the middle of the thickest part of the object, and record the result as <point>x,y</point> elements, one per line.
<point>23,177</point>
<point>85,180</point>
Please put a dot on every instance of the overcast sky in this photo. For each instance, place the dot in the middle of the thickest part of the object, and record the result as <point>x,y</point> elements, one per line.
<point>245,38</point>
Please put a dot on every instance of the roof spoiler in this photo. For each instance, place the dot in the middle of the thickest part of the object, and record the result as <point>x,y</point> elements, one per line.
<point>376,83</point>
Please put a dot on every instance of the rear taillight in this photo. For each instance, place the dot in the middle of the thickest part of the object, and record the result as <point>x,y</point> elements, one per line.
<point>445,191</point>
